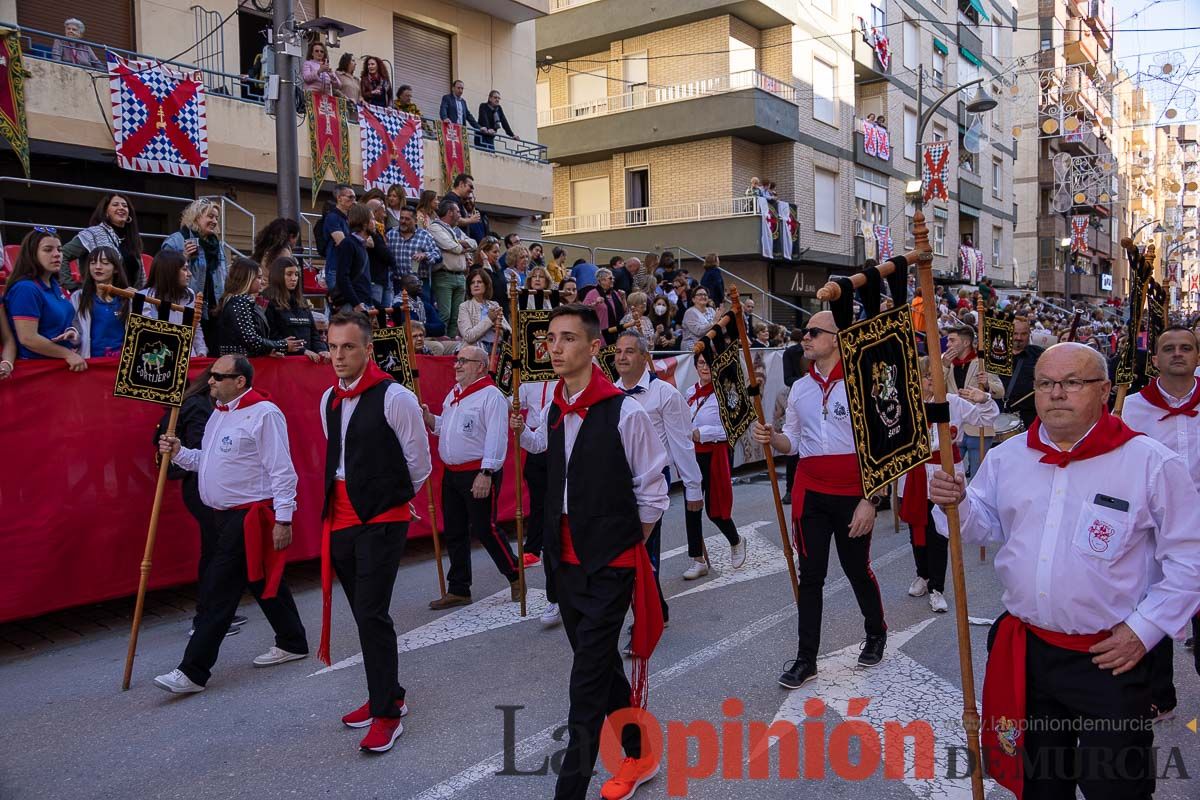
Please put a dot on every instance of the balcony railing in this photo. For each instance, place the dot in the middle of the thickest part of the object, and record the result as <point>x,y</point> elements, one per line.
<point>646,96</point>
<point>651,215</point>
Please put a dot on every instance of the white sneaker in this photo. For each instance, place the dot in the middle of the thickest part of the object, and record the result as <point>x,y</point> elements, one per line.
<point>276,656</point>
<point>698,569</point>
<point>937,602</point>
<point>737,553</point>
<point>919,587</point>
<point>550,617</point>
<point>176,682</point>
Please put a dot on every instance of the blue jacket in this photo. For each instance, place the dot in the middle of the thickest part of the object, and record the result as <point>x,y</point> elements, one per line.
<point>199,267</point>
<point>584,274</point>
<point>350,270</point>
<point>712,281</point>
<point>449,111</point>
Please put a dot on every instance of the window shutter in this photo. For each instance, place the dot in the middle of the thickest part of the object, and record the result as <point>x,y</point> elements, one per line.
<point>421,59</point>
<point>107,22</point>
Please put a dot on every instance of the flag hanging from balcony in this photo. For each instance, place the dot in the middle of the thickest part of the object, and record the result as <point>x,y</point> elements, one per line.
<point>328,139</point>
<point>935,170</point>
<point>776,223</point>
<point>393,149</point>
<point>883,49</point>
<point>13,125</point>
<point>159,117</point>
<point>786,212</point>
<point>883,242</point>
<point>1079,227</point>
<point>454,152</point>
<point>766,237</point>
<point>876,141</point>
<point>793,226</point>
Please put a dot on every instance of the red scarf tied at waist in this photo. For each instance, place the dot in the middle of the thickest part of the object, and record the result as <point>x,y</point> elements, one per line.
<point>914,506</point>
<point>1153,395</point>
<point>1004,713</point>
<point>1107,435</point>
<point>720,479</point>
<point>838,475</point>
<point>372,376</point>
<point>263,561</point>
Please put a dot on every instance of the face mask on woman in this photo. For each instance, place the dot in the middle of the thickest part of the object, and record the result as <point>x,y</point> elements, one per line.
<point>660,310</point>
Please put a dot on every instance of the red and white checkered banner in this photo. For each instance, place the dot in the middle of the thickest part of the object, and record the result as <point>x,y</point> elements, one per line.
<point>883,242</point>
<point>883,49</point>
<point>393,149</point>
<point>1079,228</point>
<point>935,170</point>
<point>159,117</point>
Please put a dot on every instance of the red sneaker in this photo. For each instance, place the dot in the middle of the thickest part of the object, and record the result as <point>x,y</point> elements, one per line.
<point>532,560</point>
<point>383,734</point>
<point>361,716</point>
<point>632,774</point>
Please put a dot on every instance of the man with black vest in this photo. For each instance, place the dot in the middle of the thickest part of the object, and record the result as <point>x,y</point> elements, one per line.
<point>605,492</point>
<point>1018,392</point>
<point>472,442</point>
<point>376,459</point>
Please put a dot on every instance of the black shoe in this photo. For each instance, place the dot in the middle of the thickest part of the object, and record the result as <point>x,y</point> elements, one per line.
<point>787,499</point>
<point>798,673</point>
<point>1190,644</point>
<point>872,650</point>
<point>238,621</point>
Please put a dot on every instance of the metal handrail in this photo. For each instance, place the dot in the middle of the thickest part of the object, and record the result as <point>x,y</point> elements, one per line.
<point>724,208</point>
<point>740,279</point>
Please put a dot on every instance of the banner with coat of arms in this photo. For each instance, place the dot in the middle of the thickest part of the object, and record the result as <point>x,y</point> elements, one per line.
<point>997,343</point>
<point>722,351</point>
<point>328,139</point>
<point>14,127</point>
<point>159,117</point>
<point>454,152</point>
<point>393,149</point>
<point>154,358</point>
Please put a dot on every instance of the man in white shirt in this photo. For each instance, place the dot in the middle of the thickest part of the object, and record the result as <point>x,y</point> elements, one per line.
<point>247,478</point>
<point>1166,410</point>
<point>1099,559</point>
<point>472,433</point>
<point>533,397</point>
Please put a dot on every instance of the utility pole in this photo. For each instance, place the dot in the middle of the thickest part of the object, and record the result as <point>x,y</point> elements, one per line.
<point>287,156</point>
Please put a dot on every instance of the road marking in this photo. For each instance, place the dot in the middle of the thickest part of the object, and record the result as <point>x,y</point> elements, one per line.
<point>761,560</point>
<point>544,739</point>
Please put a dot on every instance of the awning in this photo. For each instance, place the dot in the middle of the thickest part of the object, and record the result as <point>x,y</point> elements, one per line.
<point>978,6</point>
<point>969,56</point>
<point>940,46</point>
<point>965,210</point>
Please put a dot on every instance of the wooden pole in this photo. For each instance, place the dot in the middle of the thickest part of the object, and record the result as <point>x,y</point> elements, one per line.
<point>832,290</point>
<point>515,309</point>
<point>164,463</point>
<point>933,347</point>
<point>107,290</point>
<point>433,523</point>
<point>982,380</point>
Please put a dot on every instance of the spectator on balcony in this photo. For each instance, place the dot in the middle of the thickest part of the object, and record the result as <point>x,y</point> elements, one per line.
<point>479,314</point>
<point>346,83</point>
<point>608,304</point>
<point>379,256</point>
<point>37,311</point>
<point>404,100</point>
<point>771,194</point>
<point>568,290</point>
<point>449,282</point>
<point>881,122</point>
<point>755,189</point>
<point>478,229</point>
<point>426,208</point>
<point>413,251</point>
<point>289,312</point>
<point>712,280</point>
<point>376,83</point>
<point>112,224</point>
<point>316,74</point>
<point>557,266</point>
<point>277,240</point>
<point>697,319</point>
<point>454,108</point>
<point>243,322</point>
<point>101,320</point>
<point>491,120</point>
<point>537,256</point>
<point>395,200</point>
<point>74,52</point>
<point>349,271</point>
<point>170,281</point>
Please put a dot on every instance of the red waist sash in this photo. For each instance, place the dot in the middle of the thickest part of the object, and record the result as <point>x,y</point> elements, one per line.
<point>466,466</point>
<point>720,478</point>
<point>263,561</point>
<point>837,474</point>
<point>914,506</point>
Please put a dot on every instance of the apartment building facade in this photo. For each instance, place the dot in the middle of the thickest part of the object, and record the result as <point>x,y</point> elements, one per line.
<point>1178,188</point>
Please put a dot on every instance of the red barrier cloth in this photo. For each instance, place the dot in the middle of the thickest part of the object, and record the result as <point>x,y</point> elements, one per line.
<point>77,479</point>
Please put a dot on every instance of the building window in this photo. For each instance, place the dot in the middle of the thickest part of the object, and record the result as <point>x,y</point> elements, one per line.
<point>741,57</point>
<point>968,160</point>
<point>995,114</point>
<point>939,238</point>
<point>997,176</point>
<point>997,235</point>
<point>825,201</point>
<point>912,44</point>
<point>870,196</point>
<point>635,74</point>
<point>824,92</point>
<point>543,101</point>
<point>879,16</point>
<point>939,132</point>
<point>996,43</point>
<point>967,71</point>
<point>967,13</point>
<point>939,69</point>
<point>910,135</point>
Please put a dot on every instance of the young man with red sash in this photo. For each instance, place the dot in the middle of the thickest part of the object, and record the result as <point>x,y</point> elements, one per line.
<point>1167,410</point>
<point>827,500</point>
<point>472,433</point>
<point>716,471</point>
<point>246,477</point>
<point>376,460</point>
<point>1099,559</point>
<point>605,492</point>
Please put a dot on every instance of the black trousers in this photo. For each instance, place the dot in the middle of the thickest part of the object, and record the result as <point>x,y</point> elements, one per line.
<point>535,523</point>
<point>366,559</point>
<point>695,530</point>
<point>465,517</point>
<point>654,548</point>
<point>826,517</point>
<point>1162,675</point>
<point>593,611</point>
<point>789,463</point>
<point>1196,641</point>
<point>1087,727</point>
<point>221,589</point>
<point>931,557</point>
<point>206,518</point>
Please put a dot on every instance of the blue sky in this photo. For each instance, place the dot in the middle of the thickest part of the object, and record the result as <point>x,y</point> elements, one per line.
<point>1137,49</point>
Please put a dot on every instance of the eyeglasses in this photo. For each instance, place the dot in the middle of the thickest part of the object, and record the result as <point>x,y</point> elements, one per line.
<point>224,376</point>
<point>1070,386</point>
<point>49,231</point>
<point>458,362</point>
<point>815,332</point>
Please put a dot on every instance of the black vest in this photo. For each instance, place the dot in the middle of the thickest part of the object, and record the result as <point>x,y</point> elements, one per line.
<point>604,513</point>
<point>377,476</point>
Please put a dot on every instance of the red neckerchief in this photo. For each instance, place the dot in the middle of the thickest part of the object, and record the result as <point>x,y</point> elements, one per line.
<point>245,401</point>
<point>1154,396</point>
<point>1107,435</point>
<point>959,362</point>
<point>599,388</point>
<point>372,376</point>
<point>835,375</point>
<point>461,394</point>
<point>699,392</point>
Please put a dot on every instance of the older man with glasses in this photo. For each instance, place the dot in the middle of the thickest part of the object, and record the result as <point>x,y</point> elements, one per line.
<point>472,433</point>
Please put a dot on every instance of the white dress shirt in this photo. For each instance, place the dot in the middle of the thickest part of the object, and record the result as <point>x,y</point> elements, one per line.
<point>1180,433</point>
<point>706,416</point>
<point>1069,562</point>
<point>244,458</point>
<point>962,412</point>
<point>403,415</point>
<point>818,426</point>
<point>474,430</point>
<point>534,397</point>
<point>669,415</point>
<point>643,451</point>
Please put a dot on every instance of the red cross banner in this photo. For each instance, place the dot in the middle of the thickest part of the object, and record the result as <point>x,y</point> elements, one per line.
<point>455,154</point>
<point>1079,227</point>
<point>13,125</point>
<point>935,170</point>
<point>328,139</point>
<point>159,117</point>
<point>393,149</point>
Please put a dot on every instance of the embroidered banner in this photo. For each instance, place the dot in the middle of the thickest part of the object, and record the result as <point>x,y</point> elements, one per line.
<point>159,117</point>
<point>776,229</point>
<point>935,170</point>
<point>532,327</point>
<point>1156,322</point>
<point>1079,229</point>
<point>393,149</point>
<point>455,154</point>
<point>723,352</point>
<point>970,263</point>
<point>883,242</point>
<point>794,230</point>
<point>997,343</point>
<point>328,139</point>
<point>391,354</point>
<point>1139,283</point>
<point>154,359</point>
<point>14,126</point>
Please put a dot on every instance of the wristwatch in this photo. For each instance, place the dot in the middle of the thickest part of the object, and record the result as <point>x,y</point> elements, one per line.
<point>876,500</point>
<point>487,472</point>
